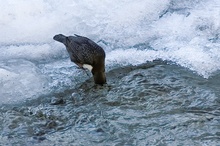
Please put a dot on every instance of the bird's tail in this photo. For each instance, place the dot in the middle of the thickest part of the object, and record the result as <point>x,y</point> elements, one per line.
<point>60,38</point>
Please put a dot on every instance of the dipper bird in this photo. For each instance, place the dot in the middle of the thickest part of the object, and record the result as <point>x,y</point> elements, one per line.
<point>86,54</point>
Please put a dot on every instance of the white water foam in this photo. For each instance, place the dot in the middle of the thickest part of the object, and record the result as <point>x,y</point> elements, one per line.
<point>186,32</point>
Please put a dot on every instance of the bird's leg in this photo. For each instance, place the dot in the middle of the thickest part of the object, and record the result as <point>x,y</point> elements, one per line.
<point>81,67</point>
<point>85,71</point>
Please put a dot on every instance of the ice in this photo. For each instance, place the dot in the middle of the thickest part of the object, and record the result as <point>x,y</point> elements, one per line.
<point>186,32</point>
<point>20,80</point>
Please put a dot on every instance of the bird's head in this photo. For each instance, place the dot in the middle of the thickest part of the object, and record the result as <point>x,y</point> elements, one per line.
<point>99,76</point>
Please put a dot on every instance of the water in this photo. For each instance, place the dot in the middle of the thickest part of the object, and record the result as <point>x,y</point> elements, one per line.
<point>47,100</point>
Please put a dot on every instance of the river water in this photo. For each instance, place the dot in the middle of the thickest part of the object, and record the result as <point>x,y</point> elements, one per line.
<point>162,67</point>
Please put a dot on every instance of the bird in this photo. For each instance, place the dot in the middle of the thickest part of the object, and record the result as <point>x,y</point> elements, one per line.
<point>86,54</point>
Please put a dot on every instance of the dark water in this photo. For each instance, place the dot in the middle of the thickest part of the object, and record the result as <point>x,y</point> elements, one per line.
<point>156,103</point>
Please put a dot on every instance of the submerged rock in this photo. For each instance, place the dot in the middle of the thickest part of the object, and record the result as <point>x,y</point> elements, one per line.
<point>57,101</point>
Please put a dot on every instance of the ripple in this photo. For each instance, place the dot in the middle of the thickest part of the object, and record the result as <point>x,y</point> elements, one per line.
<point>152,104</point>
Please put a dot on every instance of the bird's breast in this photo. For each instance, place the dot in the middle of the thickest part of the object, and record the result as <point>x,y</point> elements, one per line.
<point>87,66</point>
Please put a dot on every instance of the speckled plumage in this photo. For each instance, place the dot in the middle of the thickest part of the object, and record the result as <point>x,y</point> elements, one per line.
<point>82,51</point>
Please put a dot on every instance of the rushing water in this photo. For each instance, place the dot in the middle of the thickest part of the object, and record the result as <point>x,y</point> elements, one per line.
<point>162,66</point>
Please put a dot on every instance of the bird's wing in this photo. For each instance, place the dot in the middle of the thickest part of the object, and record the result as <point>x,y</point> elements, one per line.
<point>89,44</point>
<point>79,50</point>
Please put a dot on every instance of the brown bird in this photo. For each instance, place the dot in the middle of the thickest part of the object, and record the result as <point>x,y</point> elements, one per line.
<point>86,54</point>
